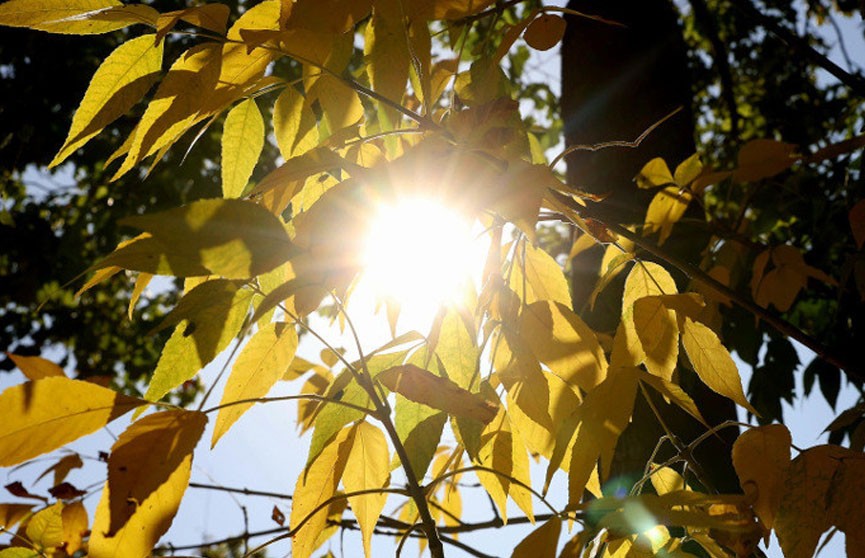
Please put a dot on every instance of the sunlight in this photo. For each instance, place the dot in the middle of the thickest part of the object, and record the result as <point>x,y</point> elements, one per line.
<point>420,254</point>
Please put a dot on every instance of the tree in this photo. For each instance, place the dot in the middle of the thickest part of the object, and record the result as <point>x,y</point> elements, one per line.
<point>509,369</point>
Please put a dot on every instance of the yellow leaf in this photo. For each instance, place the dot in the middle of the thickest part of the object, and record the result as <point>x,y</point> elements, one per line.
<point>331,16</point>
<point>713,363</point>
<point>41,416</point>
<point>762,158</point>
<point>665,210</point>
<point>387,50</point>
<point>75,526</point>
<point>545,31</point>
<point>367,468</point>
<point>118,84</point>
<point>666,480</point>
<point>646,279</point>
<point>233,238</point>
<point>659,335</point>
<point>688,171</point>
<point>340,104</point>
<point>804,514</point>
<point>562,341</point>
<point>845,501</point>
<point>316,485</point>
<point>73,17</point>
<point>537,276</point>
<point>655,173</point>
<point>422,386</point>
<point>540,543</point>
<point>213,17</point>
<point>502,450</point>
<point>11,514</point>
<point>262,363</point>
<point>36,368</point>
<point>45,528</point>
<point>445,9</point>
<point>211,318</point>
<point>294,124</point>
<point>672,392</point>
<point>242,142</point>
<point>20,552</point>
<point>141,283</point>
<point>148,471</point>
<point>761,457</point>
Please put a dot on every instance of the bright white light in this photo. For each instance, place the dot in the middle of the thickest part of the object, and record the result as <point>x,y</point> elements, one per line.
<point>420,254</point>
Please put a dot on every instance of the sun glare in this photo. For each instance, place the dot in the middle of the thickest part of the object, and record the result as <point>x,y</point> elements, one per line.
<point>420,254</point>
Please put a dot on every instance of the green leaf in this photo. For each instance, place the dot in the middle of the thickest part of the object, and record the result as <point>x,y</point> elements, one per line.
<point>212,318</point>
<point>148,471</point>
<point>120,82</point>
<point>235,239</point>
<point>263,362</point>
<point>242,142</point>
<point>367,469</point>
<point>41,416</point>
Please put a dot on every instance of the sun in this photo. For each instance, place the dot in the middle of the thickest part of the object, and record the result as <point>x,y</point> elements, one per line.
<point>422,255</point>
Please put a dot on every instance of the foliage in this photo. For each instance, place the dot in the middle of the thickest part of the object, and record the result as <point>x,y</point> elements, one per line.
<point>367,111</point>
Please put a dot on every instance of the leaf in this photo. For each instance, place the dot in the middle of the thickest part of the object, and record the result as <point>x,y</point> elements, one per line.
<point>857,222</point>
<point>316,485</point>
<point>713,363</point>
<point>41,416</point>
<point>666,480</point>
<point>562,341</point>
<point>242,142</point>
<point>19,552</point>
<point>446,9</point>
<point>119,83</point>
<point>209,321</point>
<point>761,457</point>
<point>422,386</point>
<point>542,277</point>
<point>12,514</point>
<point>665,210</point>
<point>654,174</point>
<point>646,279</point>
<point>804,514</point>
<point>73,17</point>
<point>75,526</point>
<point>457,351</point>
<point>235,239</point>
<point>36,368</point>
<point>762,158</point>
<point>658,331</point>
<point>340,104</point>
<point>213,17</point>
<point>688,170</point>
<point>262,363</point>
<point>299,168</point>
<point>545,31</point>
<point>387,51</point>
<point>542,542</point>
<point>845,498</point>
<point>62,467</point>
<point>674,393</point>
<point>294,124</point>
<point>367,468</point>
<point>45,528</point>
<point>148,471</point>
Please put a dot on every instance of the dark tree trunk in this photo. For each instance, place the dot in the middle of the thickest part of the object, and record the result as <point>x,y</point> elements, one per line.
<point>617,81</point>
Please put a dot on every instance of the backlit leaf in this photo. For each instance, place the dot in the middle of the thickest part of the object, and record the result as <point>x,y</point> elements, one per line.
<point>120,82</point>
<point>658,331</point>
<point>422,386</point>
<point>646,279</point>
<point>666,480</point>
<point>294,124</point>
<point>562,341</point>
<point>59,16</point>
<point>713,363</point>
<point>262,363</point>
<point>387,50</point>
<point>543,278</point>
<point>212,17</point>
<point>75,526</point>
<point>545,31</point>
<point>36,368</point>
<point>761,457</point>
<point>340,104</point>
<point>242,142</point>
<point>316,485</point>
<point>204,331</point>
<point>540,543</point>
<point>367,468</point>
<point>688,170</point>
<point>41,416</point>
<point>845,499</point>
<point>148,471</point>
<point>762,158</point>
<point>654,174</point>
<point>458,352</point>
<point>232,238</point>
<point>446,9</point>
<point>45,528</point>
<point>665,210</point>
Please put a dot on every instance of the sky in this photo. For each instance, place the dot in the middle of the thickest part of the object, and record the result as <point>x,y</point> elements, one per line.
<point>264,452</point>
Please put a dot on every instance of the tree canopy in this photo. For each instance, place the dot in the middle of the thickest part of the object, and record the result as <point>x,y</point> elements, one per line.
<point>247,152</point>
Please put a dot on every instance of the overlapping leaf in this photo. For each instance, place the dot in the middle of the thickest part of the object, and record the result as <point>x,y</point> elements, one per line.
<point>242,142</point>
